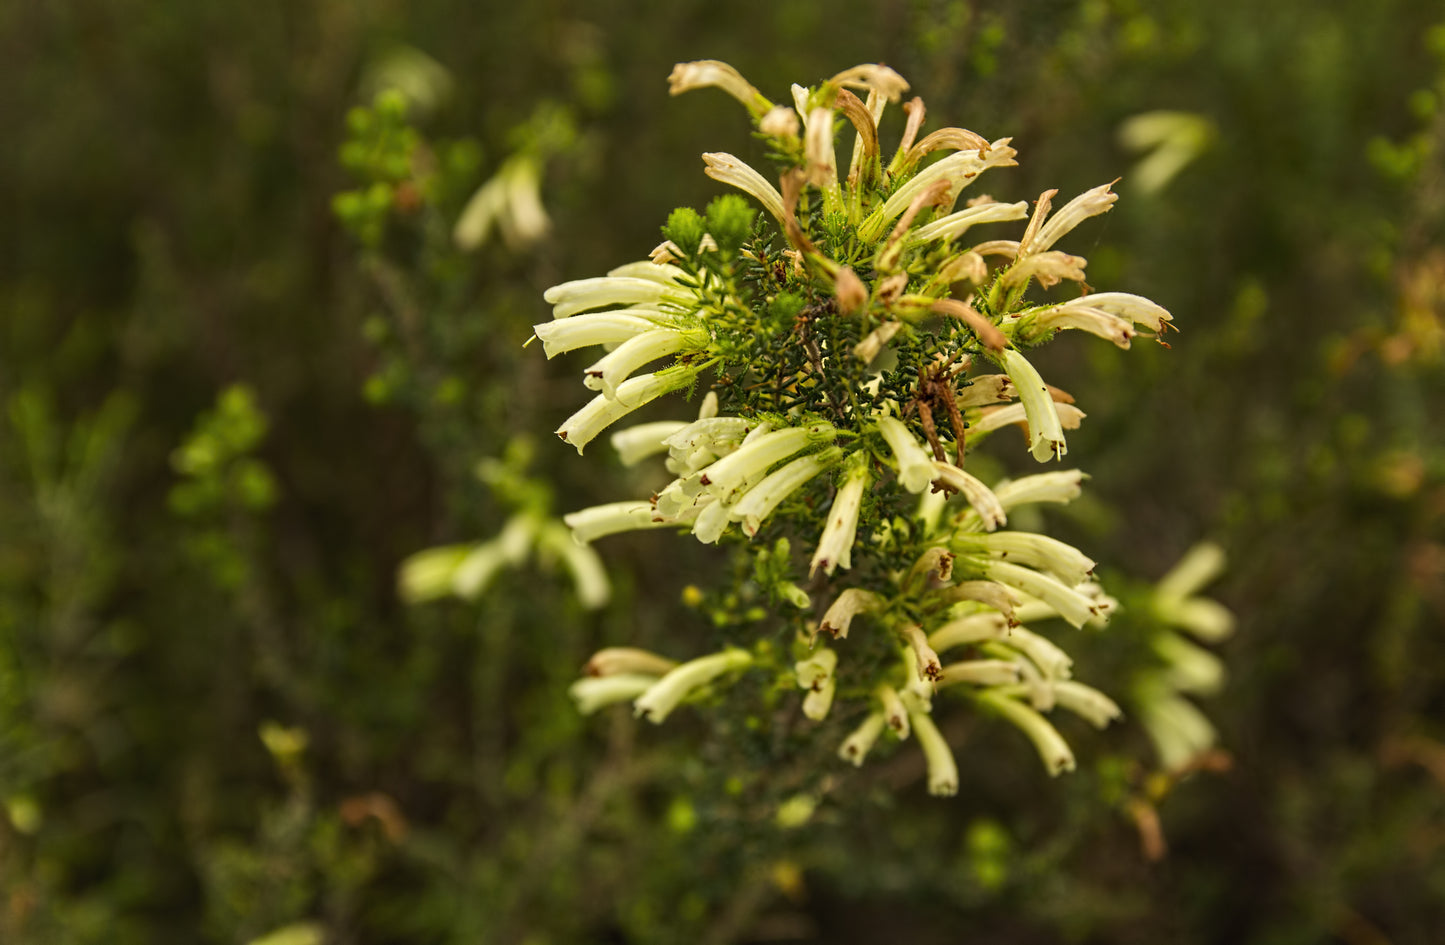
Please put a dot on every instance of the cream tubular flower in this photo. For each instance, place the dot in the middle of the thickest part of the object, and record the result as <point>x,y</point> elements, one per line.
<point>980,673</point>
<point>1052,748</point>
<point>990,593</point>
<point>648,269</point>
<point>687,76</point>
<point>960,170</point>
<point>1095,321</point>
<point>753,458</point>
<point>930,507</point>
<point>975,628</point>
<point>511,201</point>
<point>927,661</point>
<point>1201,565</point>
<point>1088,703</point>
<point>610,519</point>
<point>475,572</point>
<point>582,295</point>
<point>1050,268</point>
<point>816,668</point>
<point>602,411</point>
<point>849,604</point>
<point>820,699</point>
<point>835,545</point>
<point>1039,691</point>
<point>954,225</point>
<point>894,712</point>
<point>1088,204</point>
<point>999,417</point>
<point>712,521</point>
<point>657,703</point>
<point>1052,661</point>
<point>1046,434</point>
<point>635,444</point>
<point>1064,485</point>
<point>968,266</point>
<point>868,349</point>
<point>1205,619</point>
<point>589,577</point>
<point>815,674</point>
<point>935,564</point>
<point>729,170</point>
<point>985,389</point>
<point>942,769</point>
<point>1180,732</point>
<point>990,510</point>
<point>1071,605</point>
<point>780,122</point>
<point>706,437</point>
<point>888,83</point>
<point>616,366</point>
<point>822,166</point>
<point>679,496</point>
<point>594,692</point>
<point>849,290</point>
<point>800,103</point>
<point>761,499</point>
<point>628,660</point>
<point>596,328</point>
<point>1191,667</point>
<point>862,739</point>
<point>915,466</point>
<point>427,575</point>
<point>1064,561</point>
<point>1134,308</point>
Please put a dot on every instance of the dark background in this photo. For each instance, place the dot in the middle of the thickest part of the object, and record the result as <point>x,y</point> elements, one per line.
<point>217,722</point>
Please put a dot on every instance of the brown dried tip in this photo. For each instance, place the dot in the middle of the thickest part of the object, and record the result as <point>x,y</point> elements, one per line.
<point>1059,395</point>
<point>792,186</point>
<point>850,291</point>
<point>986,331</point>
<point>1036,222</point>
<point>915,111</point>
<point>1151,830</point>
<point>954,139</point>
<point>858,115</point>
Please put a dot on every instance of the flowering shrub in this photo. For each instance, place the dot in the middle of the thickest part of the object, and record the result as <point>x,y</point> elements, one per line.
<point>855,344</point>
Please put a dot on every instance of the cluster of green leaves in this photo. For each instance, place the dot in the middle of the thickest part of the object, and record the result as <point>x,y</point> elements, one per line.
<point>169,235</point>
<point>222,479</point>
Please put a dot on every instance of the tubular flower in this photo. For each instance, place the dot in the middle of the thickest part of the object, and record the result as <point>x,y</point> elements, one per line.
<point>659,699</point>
<point>854,345</point>
<point>687,76</point>
<point>1052,749</point>
<point>861,740</point>
<point>595,692</point>
<point>942,769</point>
<point>915,466</point>
<point>1179,730</point>
<point>1046,433</point>
<point>729,170</point>
<point>602,411</point>
<point>815,674</point>
<point>835,546</point>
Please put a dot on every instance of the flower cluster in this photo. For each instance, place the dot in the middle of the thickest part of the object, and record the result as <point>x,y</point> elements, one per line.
<point>855,343</point>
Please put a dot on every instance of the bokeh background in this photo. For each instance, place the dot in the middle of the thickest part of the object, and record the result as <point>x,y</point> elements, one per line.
<point>233,402</point>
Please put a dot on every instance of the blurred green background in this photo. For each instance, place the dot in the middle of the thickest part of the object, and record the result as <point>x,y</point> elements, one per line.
<point>232,402</point>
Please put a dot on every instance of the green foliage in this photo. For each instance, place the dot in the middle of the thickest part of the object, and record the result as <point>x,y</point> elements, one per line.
<point>730,221</point>
<point>685,228</point>
<point>169,237</point>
